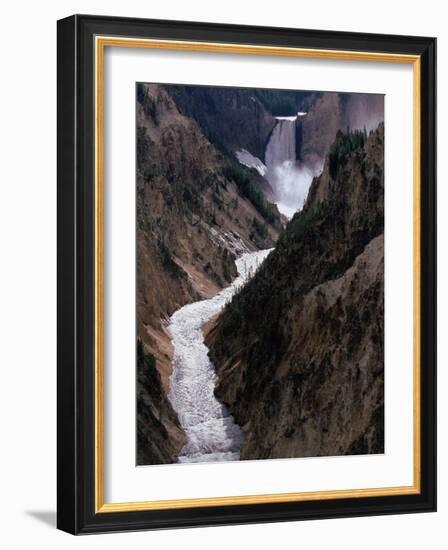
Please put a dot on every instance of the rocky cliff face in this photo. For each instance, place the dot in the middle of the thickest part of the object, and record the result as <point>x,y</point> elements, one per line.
<point>299,351</point>
<point>159,435</point>
<point>330,112</point>
<point>231,118</point>
<point>197,209</point>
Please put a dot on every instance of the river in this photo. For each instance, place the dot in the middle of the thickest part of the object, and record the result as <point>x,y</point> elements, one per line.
<point>212,434</point>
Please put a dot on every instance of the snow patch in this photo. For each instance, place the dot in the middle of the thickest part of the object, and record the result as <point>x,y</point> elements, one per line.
<point>247,159</point>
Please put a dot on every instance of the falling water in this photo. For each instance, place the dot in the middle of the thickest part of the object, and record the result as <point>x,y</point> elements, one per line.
<point>289,179</point>
<point>282,144</point>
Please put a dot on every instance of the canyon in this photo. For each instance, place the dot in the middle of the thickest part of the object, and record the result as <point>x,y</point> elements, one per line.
<point>225,174</point>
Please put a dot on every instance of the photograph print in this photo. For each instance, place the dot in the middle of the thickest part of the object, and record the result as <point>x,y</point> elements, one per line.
<point>260,274</point>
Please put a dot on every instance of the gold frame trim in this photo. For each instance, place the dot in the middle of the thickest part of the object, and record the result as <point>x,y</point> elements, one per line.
<point>101,42</point>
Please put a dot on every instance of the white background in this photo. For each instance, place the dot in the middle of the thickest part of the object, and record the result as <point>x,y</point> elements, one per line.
<point>126,483</point>
<point>28,274</point>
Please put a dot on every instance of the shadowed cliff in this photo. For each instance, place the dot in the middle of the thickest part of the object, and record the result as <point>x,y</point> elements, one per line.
<point>299,350</point>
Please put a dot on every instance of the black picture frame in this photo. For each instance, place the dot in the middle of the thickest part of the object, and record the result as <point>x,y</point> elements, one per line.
<point>76,286</point>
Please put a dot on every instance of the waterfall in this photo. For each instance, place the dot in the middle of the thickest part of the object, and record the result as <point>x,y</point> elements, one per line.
<point>282,143</point>
<point>289,179</point>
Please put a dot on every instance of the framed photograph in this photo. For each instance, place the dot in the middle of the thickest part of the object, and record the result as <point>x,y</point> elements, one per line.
<point>246,274</point>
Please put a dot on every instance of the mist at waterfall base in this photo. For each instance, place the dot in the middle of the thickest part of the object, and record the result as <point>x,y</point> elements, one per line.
<point>290,182</point>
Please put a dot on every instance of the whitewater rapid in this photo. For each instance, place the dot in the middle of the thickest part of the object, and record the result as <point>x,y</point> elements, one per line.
<point>212,434</point>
